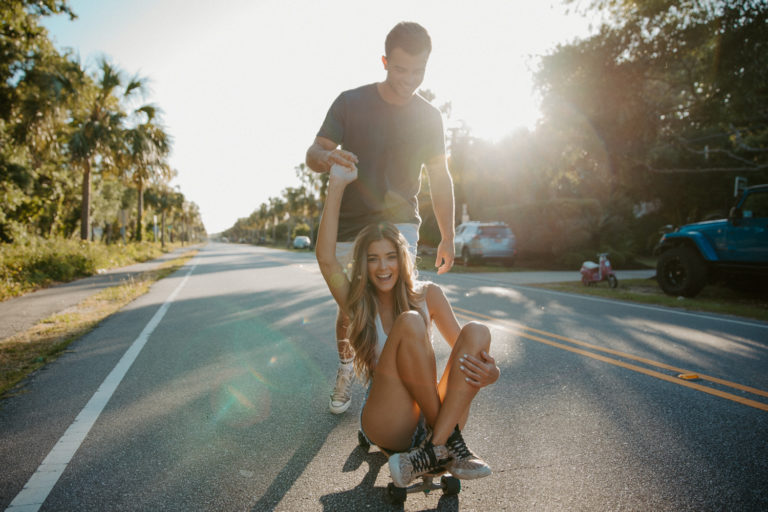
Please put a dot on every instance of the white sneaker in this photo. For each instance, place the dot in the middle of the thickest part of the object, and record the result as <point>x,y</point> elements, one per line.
<point>406,466</point>
<point>341,397</point>
<point>465,464</point>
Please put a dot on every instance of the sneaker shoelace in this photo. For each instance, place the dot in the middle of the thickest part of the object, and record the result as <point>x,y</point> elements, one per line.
<point>458,447</point>
<point>423,459</point>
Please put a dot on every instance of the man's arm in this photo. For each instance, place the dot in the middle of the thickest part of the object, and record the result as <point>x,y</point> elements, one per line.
<point>441,190</point>
<point>323,153</point>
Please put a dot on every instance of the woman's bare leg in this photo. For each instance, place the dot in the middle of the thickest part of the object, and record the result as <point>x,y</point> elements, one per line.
<point>342,343</point>
<point>341,396</point>
<point>404,384</point>
<point>455,392</point>
<point>446,448</point>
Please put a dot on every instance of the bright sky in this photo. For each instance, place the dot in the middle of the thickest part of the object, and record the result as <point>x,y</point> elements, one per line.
<point>245,84</point>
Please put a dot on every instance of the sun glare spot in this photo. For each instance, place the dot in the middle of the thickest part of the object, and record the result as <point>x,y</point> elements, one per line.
<point>239,406</point>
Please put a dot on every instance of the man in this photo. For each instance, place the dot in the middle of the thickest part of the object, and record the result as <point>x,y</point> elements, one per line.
<point>389,132</point>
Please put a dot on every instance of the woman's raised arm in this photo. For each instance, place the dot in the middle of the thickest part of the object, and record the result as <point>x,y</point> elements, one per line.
<point>325,251</point>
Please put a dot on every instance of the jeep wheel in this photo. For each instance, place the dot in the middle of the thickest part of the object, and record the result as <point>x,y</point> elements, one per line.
<point>681,271</point>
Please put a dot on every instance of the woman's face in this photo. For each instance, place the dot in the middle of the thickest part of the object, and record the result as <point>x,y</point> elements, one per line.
<point>383,267</point>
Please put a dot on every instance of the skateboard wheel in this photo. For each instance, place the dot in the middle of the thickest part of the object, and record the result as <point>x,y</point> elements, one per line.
<point>396,494</point>
<point>362,441</point>
<point>451,485</point>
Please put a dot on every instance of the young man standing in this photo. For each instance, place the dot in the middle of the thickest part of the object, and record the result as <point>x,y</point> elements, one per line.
<point>389,132</point>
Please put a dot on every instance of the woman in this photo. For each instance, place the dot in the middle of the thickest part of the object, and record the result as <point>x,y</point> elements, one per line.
<point>390,316</point>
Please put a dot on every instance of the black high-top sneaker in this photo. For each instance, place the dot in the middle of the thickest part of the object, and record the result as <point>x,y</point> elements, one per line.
<point>406,466</point>
<point>465,464</point>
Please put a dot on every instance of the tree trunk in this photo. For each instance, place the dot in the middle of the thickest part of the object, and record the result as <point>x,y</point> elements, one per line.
<point>162,228</point>
<point>140,213</point>
<point>85,217</point>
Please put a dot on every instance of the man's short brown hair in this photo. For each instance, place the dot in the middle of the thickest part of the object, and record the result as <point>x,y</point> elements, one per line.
<point>409,36</point>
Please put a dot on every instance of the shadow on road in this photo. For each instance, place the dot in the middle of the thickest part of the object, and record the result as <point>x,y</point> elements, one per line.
<point>366,494</point>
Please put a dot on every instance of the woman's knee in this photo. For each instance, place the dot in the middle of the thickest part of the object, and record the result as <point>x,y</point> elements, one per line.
<point>475,336</point>
<point>411,325</point>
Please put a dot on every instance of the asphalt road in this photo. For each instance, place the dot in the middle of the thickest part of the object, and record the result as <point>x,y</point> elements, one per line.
<point>210,393</point>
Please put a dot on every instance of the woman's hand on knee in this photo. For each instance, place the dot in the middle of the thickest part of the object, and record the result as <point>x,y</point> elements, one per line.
<point>479,372</point>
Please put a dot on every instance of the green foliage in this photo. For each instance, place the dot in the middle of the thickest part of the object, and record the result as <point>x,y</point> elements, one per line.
<point>553,227</point>
<point>36,262</point>
<point>668,96</point>
<point>281,232</point>
<point>301,229</point>
<point>62,127</point>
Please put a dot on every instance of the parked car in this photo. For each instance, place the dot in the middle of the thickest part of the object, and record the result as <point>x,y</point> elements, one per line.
<point>302,242</point>
<point>477,242</point>
<point>735,248</point>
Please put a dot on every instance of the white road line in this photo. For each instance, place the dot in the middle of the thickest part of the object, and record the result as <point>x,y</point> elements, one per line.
<point>40,484</point>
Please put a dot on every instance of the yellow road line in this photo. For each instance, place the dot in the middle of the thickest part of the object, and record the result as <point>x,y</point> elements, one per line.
<point>624,355</point>
<point>518,329</point>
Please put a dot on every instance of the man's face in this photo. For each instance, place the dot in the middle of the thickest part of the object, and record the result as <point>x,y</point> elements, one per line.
<point>405,72</point>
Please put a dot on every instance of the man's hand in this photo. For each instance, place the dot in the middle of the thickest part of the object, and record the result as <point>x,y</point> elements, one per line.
<point>445,256</point>
<point>341,157</point>
<point>323,153</point>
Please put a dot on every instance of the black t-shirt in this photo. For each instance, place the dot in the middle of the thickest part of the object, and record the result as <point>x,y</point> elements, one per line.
<point>391,143</point>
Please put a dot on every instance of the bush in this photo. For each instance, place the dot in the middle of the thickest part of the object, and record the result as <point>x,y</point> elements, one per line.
<point>281,232</point>
<point>552,228</point>
<point>301,229</point>
<point>34,262</point>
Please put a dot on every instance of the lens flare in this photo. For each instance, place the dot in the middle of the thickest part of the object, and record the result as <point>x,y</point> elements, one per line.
<point>241,403</point>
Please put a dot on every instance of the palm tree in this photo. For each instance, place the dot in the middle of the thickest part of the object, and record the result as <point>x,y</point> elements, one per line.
<point>97,129</point>
<point>161,197</point>
<point>147,147</point>
<point>313,183</point>
<point>276,212</point>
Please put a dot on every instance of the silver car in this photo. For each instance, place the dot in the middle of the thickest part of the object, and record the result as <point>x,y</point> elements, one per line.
<point>477,242</point>
<point>302,242</point>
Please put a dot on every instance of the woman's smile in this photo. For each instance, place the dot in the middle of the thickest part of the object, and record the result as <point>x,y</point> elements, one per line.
<point>383,265</point>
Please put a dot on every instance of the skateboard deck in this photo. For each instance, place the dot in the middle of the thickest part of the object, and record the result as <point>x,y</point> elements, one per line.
<point>449,484</point>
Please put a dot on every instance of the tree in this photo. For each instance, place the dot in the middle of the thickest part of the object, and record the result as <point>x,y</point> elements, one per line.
<point>35,91</point>
<point>147,147</point>
<point>165,200</point>
<point>64,129</point>
<point>22,40</point>
<point>316,188</point>
<point>98,128</point>
<point>667,95</point>
<point>276,213</point>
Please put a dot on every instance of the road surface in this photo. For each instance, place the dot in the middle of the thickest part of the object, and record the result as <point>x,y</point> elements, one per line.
<point>210,393</point>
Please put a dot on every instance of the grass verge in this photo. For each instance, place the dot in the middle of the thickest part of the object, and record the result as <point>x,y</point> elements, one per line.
<point>713,299</point>
<point>39,262</point>
<point>32,349</point>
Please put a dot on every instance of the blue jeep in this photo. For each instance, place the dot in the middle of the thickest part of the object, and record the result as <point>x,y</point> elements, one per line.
<point>736,247</point>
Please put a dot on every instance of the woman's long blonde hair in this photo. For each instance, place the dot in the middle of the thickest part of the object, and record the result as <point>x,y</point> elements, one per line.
<point>361,301</point>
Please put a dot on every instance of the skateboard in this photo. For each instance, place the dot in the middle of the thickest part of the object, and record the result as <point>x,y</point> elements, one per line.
<point>449,484</point>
